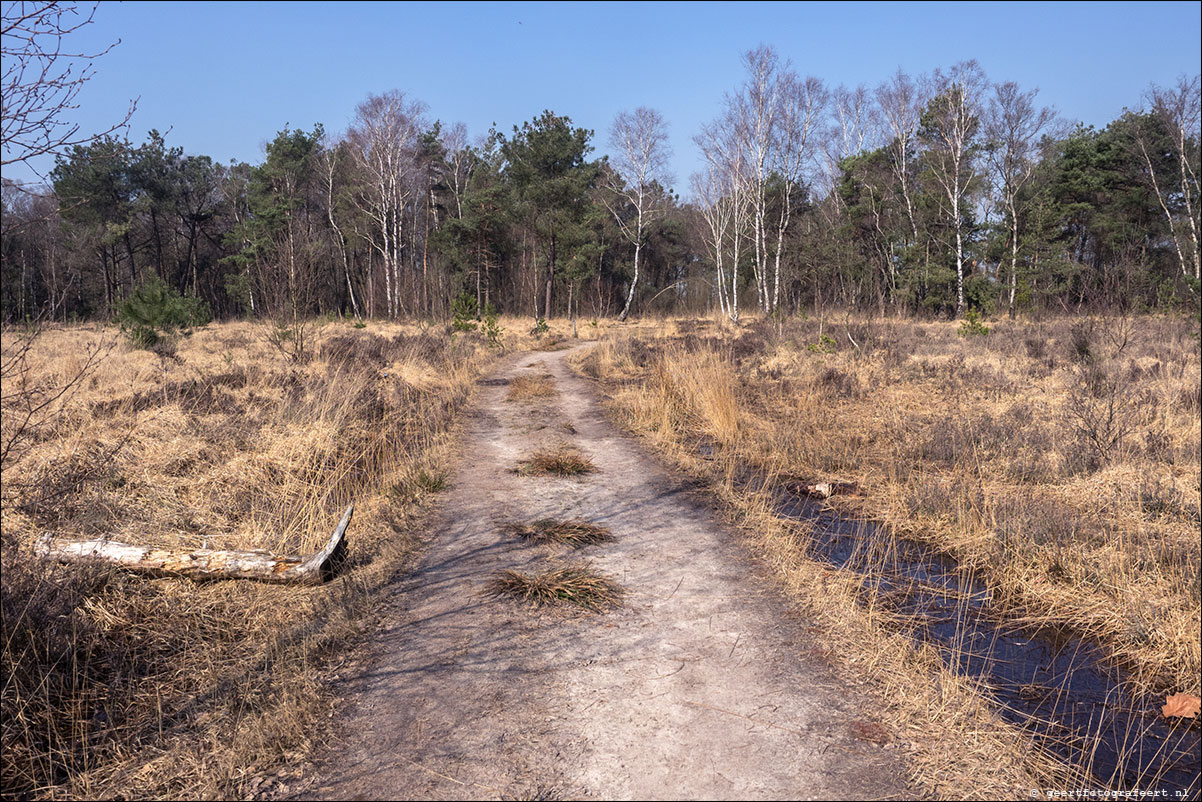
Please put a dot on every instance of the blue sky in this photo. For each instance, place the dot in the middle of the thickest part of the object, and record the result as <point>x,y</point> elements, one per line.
<point>224,77</point>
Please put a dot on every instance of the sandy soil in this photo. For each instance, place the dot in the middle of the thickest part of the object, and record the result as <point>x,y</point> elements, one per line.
<point>702,686</point>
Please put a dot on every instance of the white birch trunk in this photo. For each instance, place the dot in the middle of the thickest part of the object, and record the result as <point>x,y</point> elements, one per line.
<point>204,564</point>
<point>959,256</point>
<point>1168,215</point>
<point>1013,255</point>
<point>638,246</point>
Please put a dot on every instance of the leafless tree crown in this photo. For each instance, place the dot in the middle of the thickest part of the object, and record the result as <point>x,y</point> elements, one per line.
<point>42,78</point>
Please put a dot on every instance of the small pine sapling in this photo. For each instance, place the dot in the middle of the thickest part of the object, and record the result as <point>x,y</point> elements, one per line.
<point>156,312</point>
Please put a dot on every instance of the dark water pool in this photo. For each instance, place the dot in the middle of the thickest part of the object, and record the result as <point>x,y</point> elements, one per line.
<point>1062,690</point>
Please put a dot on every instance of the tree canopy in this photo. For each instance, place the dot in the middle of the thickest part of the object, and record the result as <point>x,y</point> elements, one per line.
<point>929,195</point>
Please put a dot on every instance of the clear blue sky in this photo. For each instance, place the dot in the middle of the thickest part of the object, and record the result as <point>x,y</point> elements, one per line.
<point>224,77</point>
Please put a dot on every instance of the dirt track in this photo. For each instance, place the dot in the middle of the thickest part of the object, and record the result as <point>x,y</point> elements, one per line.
<point>699,687</point>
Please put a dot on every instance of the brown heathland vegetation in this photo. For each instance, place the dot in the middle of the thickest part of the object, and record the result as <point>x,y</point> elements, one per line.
<point>1057,460</point>
<point>116,684</point>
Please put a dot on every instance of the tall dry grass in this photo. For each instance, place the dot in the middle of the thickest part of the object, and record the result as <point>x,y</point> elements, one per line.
<point>1057,460</point>
<point>119,685</point>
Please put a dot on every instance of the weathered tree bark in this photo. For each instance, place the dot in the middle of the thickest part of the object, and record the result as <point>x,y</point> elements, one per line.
<point>201,564</point>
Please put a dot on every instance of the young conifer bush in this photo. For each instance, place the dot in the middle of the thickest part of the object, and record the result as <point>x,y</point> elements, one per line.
<point>155,312</point>
<point>465,313</point>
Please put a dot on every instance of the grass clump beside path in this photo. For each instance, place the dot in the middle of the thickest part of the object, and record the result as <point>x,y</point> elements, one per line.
<point>118,685</point>
<point>576,584</point>
<point>1058,458</point>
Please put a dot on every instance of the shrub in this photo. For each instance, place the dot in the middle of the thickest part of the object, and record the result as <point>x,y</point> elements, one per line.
<point>290,338</point>
<point>1081,341</point>
<point>979,292</point>
<point>1102,410</point>
<point>972,326</point>
<point>825,345</point>
<point>156,312</point>
<point>490,327</point>
<point>465,312</point>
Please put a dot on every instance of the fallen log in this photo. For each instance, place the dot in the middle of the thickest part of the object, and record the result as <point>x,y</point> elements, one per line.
<point>821,489</point>
<point>201,564</point>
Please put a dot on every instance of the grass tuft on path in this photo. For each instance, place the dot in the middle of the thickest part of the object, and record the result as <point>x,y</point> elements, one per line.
<point>561,460</point>
<point>574,533</point>
<point>573,584</point>
<point>531,388</point>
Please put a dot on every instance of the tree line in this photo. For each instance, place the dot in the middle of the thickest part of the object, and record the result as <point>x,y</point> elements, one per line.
<point>926,194</point>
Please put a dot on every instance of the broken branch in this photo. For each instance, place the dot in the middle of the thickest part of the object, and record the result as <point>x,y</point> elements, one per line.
<point>201,564</point>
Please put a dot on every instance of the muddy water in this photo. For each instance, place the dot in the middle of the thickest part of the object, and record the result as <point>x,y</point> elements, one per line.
<point>1060,689</point>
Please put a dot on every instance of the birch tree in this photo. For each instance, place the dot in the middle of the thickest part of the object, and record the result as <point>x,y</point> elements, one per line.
<point>385,141</point>
<point>852,110</point>
<point>801,105</point>
<point>1177,111</point>
<point>1013,128</point>
<point>328,175</point>
<point>755,112</point>
<point>900,102</point>
<point>726,161</point>
<point>714,199</point>
<point>461,161</point>
<point>849,129</point>
<point>950,128</point>
<point>640,157</point>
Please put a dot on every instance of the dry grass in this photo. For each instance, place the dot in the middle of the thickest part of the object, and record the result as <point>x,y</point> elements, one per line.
<point>531,388</point>
<point>560,460</point>
<point>120,685</point>
<point>577,585</point>
<point>576,534</point>
<point>1058,460</point>
<point>552,342</point>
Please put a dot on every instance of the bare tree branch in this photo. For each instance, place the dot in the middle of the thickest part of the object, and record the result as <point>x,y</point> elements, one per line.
<point>42,79</point>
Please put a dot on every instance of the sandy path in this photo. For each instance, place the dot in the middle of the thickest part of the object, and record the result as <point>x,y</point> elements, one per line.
<point>698,688</point>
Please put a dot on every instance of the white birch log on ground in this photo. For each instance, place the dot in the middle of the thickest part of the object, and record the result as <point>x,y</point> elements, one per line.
<point>821,489</point>
<point>201,564</point>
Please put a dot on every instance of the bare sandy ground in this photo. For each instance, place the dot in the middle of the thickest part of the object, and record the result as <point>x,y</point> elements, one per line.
<point>702,686</point>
